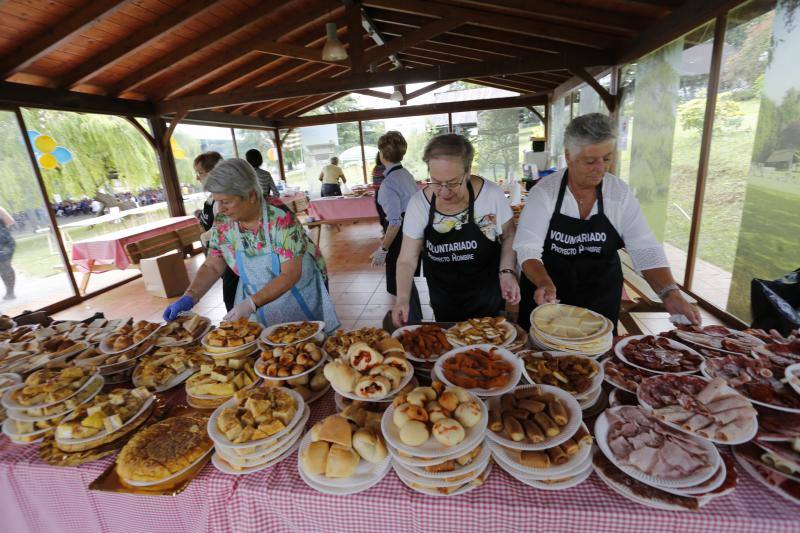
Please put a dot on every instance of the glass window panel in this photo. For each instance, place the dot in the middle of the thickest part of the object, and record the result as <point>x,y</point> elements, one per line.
<point>264,142</point>
<point>32,268</point>
<point>111,173</point>
<point>189,141</point>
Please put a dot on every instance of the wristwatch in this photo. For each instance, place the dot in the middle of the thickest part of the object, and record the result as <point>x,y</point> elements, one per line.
<point>666,290</point>
<point>508,271</point>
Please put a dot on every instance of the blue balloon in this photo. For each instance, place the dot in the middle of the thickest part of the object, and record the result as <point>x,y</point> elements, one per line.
<point>62,155</point>
<point>32,134</point>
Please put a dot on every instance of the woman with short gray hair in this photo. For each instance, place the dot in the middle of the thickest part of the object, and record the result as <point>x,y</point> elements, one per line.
<point>573,224</point>
<point>282,273</point>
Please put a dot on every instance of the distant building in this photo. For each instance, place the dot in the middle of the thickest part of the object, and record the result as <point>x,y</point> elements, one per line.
<point>785,159</point>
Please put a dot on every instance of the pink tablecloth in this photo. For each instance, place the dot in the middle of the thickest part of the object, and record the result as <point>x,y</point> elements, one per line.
<point>38,497</point>
<point>110,248</point>
<point>331,209</point>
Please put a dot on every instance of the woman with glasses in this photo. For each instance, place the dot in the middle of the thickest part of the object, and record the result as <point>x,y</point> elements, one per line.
<point>576,220</point>
<point>462,226</point>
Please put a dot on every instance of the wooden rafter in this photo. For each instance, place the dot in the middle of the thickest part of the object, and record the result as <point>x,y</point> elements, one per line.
<point>171,129</point>
<point>375,94</point>
<point>248,73</point>
<point>169,60</point>
<point>146,134</point>
<point>296,77</point>
<point>311,103</point>
<point>51,38</point>
<point>133,42</point>
<point>609,99</point>
<point>352,15</point>
<point>381,79</point>
<point>420,35</point>
<point>428,88</point>
<point>19,94</point>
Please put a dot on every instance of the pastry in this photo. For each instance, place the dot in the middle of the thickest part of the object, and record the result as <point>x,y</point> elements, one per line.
<point>49,386</point>
<point>157,369</point>
<point>362,357</point>
<point>182,330</point>
<point>293,332</point>
<point>448,432</point>
<point>106,413</point>
<point>221,381</point>
<point>489,330</point>
<point>390,346</point>
<point>259,413</point>
<point>285,361</point>
<point>535,459</point>
<point>315,458</point>
<point>341,375</point>
<point>373,387</point>
<point>435,411</point>
<point>337,344</point>
<point>476,368</point>
<point>528,413</point>
<point>336,430</point>
<point>572,373</point>
<point>342,462</point>
<point>427,341</point>
<point>233,334</point>
<point>414,433</point>
<point>369,445</point>
<point>399,362</point>
<point>468,413</point>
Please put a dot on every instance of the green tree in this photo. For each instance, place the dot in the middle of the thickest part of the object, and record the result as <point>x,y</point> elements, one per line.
<point>497,143</point>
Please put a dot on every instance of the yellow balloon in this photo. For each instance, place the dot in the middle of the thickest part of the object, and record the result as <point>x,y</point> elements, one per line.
<point>48,161</point>
<point>179,153</point>
<point>272,154</point>
<point>45,143</point>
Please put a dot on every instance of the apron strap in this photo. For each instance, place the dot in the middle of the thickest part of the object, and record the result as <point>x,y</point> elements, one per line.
<point>301,302</point>
<point>471,208</point>
<point>600,209</point>
<point>561,192</point>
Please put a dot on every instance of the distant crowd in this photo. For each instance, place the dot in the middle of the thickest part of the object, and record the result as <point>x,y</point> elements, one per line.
<point>88,206</point>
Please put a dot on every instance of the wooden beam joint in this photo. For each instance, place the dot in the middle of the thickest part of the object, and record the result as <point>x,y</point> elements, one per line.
<point>609,99</point>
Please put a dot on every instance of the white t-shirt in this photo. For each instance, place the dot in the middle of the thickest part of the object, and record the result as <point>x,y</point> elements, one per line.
<point>619,204</point>
<point>492,210</point>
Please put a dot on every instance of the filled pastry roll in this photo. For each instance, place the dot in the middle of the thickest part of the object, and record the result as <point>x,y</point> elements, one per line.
<point>362,357</point>
<point>535,459</point>
<point>547,424</point>
<point>373,387</point>
<point>557,455</point>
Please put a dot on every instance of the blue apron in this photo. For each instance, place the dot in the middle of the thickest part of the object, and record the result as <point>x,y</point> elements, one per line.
<point>307,300</point>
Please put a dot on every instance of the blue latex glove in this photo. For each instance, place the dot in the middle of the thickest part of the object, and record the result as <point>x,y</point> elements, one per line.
<point>184,303</point>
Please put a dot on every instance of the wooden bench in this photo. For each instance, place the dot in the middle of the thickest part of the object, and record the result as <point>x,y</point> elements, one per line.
<point>181,240</point>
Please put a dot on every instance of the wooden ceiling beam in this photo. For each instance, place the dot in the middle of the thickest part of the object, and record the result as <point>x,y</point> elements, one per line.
<point>49,39</point>
<point>382,79</point>
<point>414,110</point>
<point>197,73</point>
<point>309,104</point>
<point>255,109</point>
<point>427,89</point>
<point>226,120</point>
<point>169,60</point>
<point>609,99</point>
<point>420,35</point>
<point>355,30</point>
<point>374,94</point>
<point>504,23</point>
<point>133,42</point>
<point>23,95</point>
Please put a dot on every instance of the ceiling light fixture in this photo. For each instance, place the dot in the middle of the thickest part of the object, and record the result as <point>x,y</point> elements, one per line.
<point>397,96</point>
<point>333,50</point>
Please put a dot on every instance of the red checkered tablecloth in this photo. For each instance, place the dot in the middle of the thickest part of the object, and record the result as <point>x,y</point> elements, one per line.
<point>37,497</point>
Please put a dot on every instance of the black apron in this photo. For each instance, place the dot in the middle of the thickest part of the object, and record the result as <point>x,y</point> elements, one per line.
<point>230,281</point>
<point>582,260</point>
<point>462,269</point>
<point>394,249</point>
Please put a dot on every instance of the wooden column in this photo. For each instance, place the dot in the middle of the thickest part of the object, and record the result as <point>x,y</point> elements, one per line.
<point>705,147</point>
<point>363,155</point>
<point>235,146</point>
<point>166,163</point>
<point>450,122</point>
<point>278,149</point>
<point>23,130</point>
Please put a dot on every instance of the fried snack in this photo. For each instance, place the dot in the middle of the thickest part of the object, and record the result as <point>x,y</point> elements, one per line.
<point>337,344</point>
<point>259,413</point>
<point>161,367</point>
<point>183,329</point>
<point>547,424</point>
<point>129,334</point>
<point>572,373</point>
<point>475,368</point>
<point>427,341</point>
<point>488,330</point>
<point>513,428</point>
<point>105,413</point>
<point>48,386</point>
<point>223,381</point>
<point>286,361</point>
<point>557,455</point>
<point>291,333</point>
<point>582,436</point>
<point>422,413</point>
<point>233,334</point>
<point>533,431</point>
<point>536,416</point>
<point>535,459</point>
<point>556,411</point>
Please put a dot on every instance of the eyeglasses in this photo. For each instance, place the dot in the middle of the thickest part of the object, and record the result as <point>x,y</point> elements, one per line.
<point>437,186</point>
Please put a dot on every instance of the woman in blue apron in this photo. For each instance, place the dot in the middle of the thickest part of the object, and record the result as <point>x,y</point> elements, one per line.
<point>282,274</point>
<point>573,225</point>
<point>462,226</point>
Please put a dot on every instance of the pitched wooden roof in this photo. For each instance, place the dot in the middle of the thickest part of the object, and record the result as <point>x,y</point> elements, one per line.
<point>256,58</point>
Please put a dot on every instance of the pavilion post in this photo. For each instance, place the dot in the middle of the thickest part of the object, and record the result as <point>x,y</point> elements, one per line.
<point>363,155</point>
<point>279,150</point>
<point>166,164</point>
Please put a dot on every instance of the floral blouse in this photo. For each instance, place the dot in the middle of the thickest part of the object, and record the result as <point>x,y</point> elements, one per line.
<point>286,233</point>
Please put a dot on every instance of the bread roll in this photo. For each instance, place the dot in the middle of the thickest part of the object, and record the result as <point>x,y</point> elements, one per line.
<point>340,375</point>
<point>389,346</point>
<point>342,462</point>
<point>468,413</point>
<point>337,430</point>
<point>449,400</point>
<point>369,445</point>
<point>315,458</point>
<point>449,432</point>
<point>435,411</point>
<point>362,357</point>
<point>373,387</point>
<point>414,433</point>
<point>318,381</point>
<point>535,459</point>
<point>354,413</point>
<point>391,373</point>
<point>461,393</point>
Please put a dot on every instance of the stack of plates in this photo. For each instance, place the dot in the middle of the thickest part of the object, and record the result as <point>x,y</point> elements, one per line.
<point>7,380</point>
<point>256,455</point>
<point>588,398</point>
<point>570,329</point>
<point>28,423</point>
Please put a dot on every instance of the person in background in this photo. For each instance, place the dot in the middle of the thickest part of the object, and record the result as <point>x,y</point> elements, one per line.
<point>377,179</point>
<point>282,273</point>
<point>462,226</point>
<point>265,180</point>
<point>396,190</point>
<point>330,176</point>
<point>7,247</point>
<point>203,164</point>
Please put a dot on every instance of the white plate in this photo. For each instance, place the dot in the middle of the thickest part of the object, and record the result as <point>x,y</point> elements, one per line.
<point>704,371</point>
<point>700,344</point>
<point>105,348</point>
<point>342,491</point>
<point>625,492</point>
<point>601,437</point>
<point>173,476</point>
<point>507,356</point>
<point>588,402</point>
<point>567,431</point>
<point>678,346</point>
<point>477,464</point>
<point>226,351</point>
<point>612,382</point>
<point>755,474</point>
<point>421,462</point>
<point>57,357</point>
<point>147,403</point>
<point>258,367</point>
<point>726,390</point>
<point>411,357</point>
<point>21,414</point>
<point>221,464</point>
<point>219,438</point>
<point>432,447</point>
<point>10,431</point>
<point>268,452</point>
<point>468,486</point>
<point>174,382</point>
<point>792,373</point>
<point>503,455</point>
<point>317,395</point>
<point>571,480</point>
<point>11,378</point>
<point>712,484</point>
<point>9,403</point>
<point>388,398</point>
<point>474,472</point>
<point>365,471</point>
<point>597,380</point>
<point>249,351</point>
<point>606,328</point>
<point>508,326</point>
<point>318,335</point>
<point>203,333</point>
